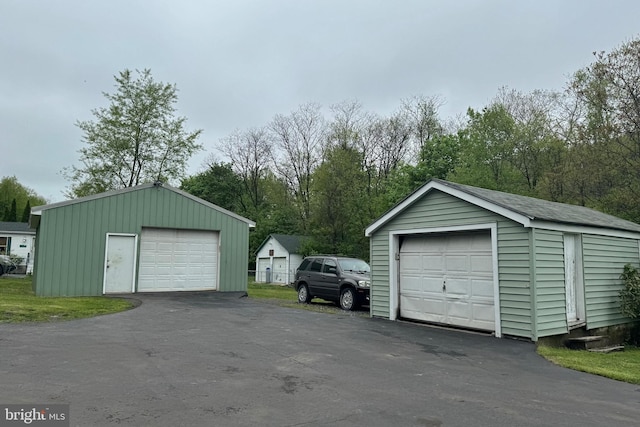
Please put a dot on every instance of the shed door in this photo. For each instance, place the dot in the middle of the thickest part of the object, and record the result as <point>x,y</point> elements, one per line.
<point>574,288</point>
<point>280,270</point>
<point>178,260</point>
<point>448,278</point>
<point>261,269</point>
<point>120,264</point>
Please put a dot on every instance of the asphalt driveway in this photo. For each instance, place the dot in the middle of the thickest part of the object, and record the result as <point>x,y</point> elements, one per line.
<point>208,360</point>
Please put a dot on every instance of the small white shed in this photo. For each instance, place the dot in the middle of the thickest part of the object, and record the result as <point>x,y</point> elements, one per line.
<point>278,257</point>
<point>16,238</point>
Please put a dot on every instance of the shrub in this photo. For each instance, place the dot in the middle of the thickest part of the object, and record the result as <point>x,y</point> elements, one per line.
<point>630,293</point>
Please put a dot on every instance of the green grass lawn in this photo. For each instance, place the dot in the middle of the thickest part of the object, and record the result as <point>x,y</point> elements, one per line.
<point>286,296</point>
<point>621,366</point>
<point>271,291</point>
<point>18,303</point>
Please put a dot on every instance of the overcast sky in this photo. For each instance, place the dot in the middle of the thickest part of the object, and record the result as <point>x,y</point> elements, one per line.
<point>238,63</point>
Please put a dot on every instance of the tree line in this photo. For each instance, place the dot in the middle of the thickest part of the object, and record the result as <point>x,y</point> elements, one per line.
<point>329,176</point>
<point>329,173</point>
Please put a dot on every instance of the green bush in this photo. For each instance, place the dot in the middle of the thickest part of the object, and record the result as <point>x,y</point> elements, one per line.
<point>630,293</point>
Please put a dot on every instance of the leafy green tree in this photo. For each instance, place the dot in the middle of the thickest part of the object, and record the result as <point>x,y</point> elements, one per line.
<point>138,138</point>
<point>608,91</point>
<point>11,189</point>
<point>12,215</point>
<point>487,145</point>
<point>537,148</point>
<point>630,292</point>
<point>439,156</point>
<point>26,212</point>
<point>218,184</point>
<point>277,215</point>
<point>339,211</point>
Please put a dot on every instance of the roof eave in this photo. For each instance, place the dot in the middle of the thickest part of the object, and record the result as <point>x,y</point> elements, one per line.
<point>37,210</point>
<point>455,192</point>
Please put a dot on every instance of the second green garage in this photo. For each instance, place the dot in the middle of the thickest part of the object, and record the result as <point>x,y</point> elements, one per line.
<point>510,265</point>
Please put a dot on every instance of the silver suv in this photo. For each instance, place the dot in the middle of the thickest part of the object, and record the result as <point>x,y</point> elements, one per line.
<point>343,280</point>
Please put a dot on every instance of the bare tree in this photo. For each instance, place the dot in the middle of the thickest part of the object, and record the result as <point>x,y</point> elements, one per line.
<point>250,153</point>
<point>347,125</point>
<point>422,115</point>
<point>298,137</point>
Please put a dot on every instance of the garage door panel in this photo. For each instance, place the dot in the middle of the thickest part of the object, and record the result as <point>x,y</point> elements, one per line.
<point>459,309</point>
<point>432,285</point>
<point>481,264</point>
<point>412,262</point>
<point>457,286</point>
<point>423,308</point>
<point>177,260</point>
<point>412,283</point>
<point>482,289</point>
<point>461,261</point>
<point>484,312</point>
<point>432,262</point>
<point>457,263</point>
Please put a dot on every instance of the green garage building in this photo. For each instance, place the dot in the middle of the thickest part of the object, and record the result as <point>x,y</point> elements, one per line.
<point>512,265</point>
<point>149,238</point>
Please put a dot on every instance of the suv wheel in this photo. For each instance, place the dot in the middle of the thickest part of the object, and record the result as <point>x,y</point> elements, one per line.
<point>348,299</point>
<point>303,294</point>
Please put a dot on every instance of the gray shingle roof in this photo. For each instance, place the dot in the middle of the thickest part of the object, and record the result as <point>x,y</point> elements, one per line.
<point>15,227</point>
<point>545,210</point>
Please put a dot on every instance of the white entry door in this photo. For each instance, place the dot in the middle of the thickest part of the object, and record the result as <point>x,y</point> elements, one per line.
<point>573,284</point>
<point>120,264</point>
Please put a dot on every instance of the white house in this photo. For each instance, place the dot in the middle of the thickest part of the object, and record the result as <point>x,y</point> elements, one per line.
<point>278,257</point>
<point>17,239</point>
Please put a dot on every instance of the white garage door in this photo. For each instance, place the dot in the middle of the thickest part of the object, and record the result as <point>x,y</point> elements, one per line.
<point>448,278</point>
<point>280,270</point>
<point>177,260</point>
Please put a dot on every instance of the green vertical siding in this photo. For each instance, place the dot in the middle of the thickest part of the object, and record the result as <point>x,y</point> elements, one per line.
<point>514,278</point>
<point>71,238</point>
<point>549,299</point>
<point>379,259</point>
<point>604,260</point>
<point>437,209</point>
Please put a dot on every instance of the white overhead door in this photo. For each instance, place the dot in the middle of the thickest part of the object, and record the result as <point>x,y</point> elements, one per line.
<point>177,260</point>
<point>448,278</point>
<point>280,270</point>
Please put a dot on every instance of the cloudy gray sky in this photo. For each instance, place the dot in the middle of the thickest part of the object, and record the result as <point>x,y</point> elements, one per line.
<point>238,63</point>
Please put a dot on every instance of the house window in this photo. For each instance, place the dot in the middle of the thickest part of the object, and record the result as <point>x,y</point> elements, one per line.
<point>5,245</point>
<point>270,252</point>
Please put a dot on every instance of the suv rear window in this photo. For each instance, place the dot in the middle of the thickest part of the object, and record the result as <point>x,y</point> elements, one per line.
<point>316,265</point>
<point>304,264</point>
